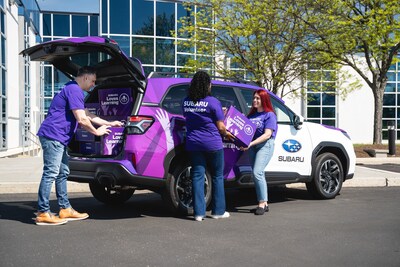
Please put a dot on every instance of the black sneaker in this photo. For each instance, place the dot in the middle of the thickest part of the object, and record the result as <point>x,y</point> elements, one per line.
<point>261,211</point>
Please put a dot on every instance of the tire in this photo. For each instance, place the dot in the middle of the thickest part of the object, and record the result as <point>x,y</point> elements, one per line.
<point>327,177</point>
<point>110,196</point>
<point>179,189</point>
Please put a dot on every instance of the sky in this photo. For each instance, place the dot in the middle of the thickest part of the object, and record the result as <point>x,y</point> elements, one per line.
<point>85,6</point>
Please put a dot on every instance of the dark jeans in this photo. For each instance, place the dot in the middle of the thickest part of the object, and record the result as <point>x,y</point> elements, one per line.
<point>213,161</point>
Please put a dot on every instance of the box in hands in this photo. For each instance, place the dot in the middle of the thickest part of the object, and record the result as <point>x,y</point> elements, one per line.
<point>112,143</point>
<point>240,126</point>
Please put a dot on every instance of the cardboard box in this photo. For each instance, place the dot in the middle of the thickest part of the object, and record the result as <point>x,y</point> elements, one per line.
<point>83,135</point>
<point>240,126</point>
<point>93,108</point>
<point>115,102</point>
<point>89,148</point>
<point>111,144</point>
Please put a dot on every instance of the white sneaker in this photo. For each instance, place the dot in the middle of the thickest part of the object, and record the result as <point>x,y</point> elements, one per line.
<point>198,218</point>
<point>225,215</point>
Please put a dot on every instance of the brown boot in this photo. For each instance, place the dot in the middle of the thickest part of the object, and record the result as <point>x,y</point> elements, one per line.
<point>46,218</point>
<point>70,214</point>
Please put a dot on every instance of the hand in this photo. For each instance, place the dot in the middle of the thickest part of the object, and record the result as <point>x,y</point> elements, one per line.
<point>243,148</point>
<point>116,124</point>
<point>102,130</point>
<point>230,136</point>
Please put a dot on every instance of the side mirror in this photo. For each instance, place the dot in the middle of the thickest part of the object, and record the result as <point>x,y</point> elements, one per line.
<point>297,122</point>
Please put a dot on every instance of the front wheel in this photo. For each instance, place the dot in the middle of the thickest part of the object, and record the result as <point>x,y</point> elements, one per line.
<point>327,177</point>
<point>179,189</point>
<point>110,196</point>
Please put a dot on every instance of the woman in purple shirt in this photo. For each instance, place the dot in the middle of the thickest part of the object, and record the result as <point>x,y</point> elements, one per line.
<point>205,128</point>
<point>262,146</point>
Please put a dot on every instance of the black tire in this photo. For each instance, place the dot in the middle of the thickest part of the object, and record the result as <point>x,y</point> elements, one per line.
<point>110,196</point>
<point>179,189</point>
<point>327,177</point>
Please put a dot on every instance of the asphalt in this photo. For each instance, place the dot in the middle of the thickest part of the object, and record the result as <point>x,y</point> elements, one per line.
<point>22,174</point>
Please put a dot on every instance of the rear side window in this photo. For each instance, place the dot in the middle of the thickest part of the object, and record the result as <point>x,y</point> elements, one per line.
<point>226,96</point>
<point>282,113</point>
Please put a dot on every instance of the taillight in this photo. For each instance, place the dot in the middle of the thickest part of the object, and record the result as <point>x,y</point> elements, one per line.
<point>138,124</point>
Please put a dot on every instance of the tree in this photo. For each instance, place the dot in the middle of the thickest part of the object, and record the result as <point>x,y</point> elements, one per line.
<point>362,34</point>
<point>258,37</point>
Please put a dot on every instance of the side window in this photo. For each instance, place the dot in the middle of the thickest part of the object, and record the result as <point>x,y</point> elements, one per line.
<point>282,113</point>
<point>172,101</point>
<point>226,96</point>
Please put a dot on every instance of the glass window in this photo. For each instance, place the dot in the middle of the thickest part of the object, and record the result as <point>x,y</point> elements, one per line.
<point>328,112</point>
<point>391,76</point>
<point>313,98</point>
<point>165,18</point>
<point>148,70</point>
<point>172,101</point>
<point>143,49</point>
<point>61,25</point>
<point>94,26</point>
<point>328,99</point>
<point>313,112</point>
<point>119,16</point>
<point>3,109</point>
<point>183,59</point>
<point>59,80</point>
<point>313,86</point>
<point>3,82</point>
<point>283,115</point>
<point>390,87</point>
<point>124,43</point>
<point>143,17</point>
<point>48,83</point>
<point>104,17</point>
<point>46,24</point>
<point>389,99</point>
<point>248,98</point>
<point>3,50</point>
<point>329,122</point>
<point>226,96</point>
<point>47,102</point>
<point>2,26</point>
<point>187,15</point>
<point>165,52</point>
<point>80,26</point>
<point>389,113</point>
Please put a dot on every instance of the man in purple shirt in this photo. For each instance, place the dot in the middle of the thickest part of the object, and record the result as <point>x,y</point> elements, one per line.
<point>66,111</point>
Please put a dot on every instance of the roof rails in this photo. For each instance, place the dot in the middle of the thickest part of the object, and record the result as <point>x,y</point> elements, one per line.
<point>156,74</point>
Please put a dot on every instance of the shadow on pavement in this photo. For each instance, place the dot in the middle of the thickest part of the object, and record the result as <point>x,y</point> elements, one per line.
<point>391,167</point>
<point>141,205</point>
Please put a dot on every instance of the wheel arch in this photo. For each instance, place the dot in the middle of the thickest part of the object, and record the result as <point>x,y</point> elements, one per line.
<point>173,158</point>
<point>335,148</point>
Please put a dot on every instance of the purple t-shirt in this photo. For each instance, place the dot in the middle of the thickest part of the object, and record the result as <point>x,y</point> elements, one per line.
<point>60,123</point>
<point>201,116</point>
<point>264,120</point>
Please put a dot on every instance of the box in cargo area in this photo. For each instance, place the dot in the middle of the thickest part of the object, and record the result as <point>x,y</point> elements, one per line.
<point>83,135</point>
<point>115,102</point>
<point>88,148</point>
<point>93,108</point>
<point>240,126</point>
<point>112,143</point>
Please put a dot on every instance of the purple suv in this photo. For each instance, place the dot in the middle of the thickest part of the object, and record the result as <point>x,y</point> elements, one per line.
<point>148,152</point>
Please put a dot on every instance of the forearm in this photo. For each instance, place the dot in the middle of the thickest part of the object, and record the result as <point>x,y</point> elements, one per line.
<point>99,121</point>
<point>86,124</point>
<point>261,139</point>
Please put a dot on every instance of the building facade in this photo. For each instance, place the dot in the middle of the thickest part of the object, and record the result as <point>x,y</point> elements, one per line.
<point>143,29</point>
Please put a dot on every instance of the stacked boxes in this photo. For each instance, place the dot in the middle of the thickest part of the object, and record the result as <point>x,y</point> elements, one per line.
<point>114,104</point>
<point>240,126</point>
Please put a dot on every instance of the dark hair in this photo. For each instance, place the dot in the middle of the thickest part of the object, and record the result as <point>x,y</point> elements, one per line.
<point>86,70</point>
<point>199,86</point>
<point>265,102</point>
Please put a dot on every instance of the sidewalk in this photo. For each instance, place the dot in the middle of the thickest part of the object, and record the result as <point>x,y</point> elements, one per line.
<point>22,175</point>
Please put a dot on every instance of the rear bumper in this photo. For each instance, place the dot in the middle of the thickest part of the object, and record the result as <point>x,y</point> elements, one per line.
<point>109,173</point>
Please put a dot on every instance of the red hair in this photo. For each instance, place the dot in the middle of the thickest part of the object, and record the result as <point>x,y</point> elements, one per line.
<point>265,102</point>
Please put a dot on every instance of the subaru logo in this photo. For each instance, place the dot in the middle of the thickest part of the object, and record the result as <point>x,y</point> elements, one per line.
<point>291,146</point>
<point>124,98</point>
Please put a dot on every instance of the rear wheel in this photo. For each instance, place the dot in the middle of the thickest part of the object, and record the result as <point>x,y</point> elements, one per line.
<point>179,189</point>
<point>327,177</point>
<point>110,196</point>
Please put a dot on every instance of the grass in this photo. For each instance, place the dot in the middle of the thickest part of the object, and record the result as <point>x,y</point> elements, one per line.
<point>360,153</point>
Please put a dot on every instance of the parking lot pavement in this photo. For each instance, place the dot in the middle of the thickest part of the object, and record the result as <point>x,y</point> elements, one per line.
<point>22,174</point>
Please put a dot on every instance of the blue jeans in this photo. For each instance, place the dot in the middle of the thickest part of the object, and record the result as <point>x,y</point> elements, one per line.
<point>260,155</point>
<point>55,168</point>
<point>214,160</point>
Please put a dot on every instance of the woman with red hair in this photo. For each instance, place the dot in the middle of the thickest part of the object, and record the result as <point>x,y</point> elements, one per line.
<point>261,147</point>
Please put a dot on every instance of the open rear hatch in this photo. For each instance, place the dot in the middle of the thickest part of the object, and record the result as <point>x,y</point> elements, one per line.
<point>119,90</point>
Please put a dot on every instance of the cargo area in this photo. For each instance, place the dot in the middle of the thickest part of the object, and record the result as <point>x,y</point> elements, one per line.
<point>109,102</point>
